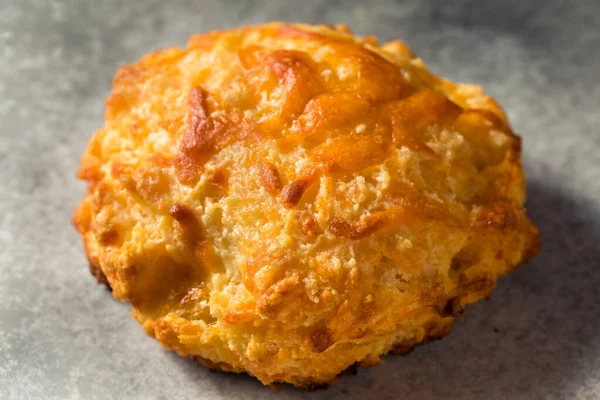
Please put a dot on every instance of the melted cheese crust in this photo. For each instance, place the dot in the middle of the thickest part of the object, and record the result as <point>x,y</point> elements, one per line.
<point>290,200</point>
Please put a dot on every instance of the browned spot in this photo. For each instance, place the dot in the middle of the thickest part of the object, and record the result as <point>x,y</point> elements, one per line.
<point>455,264</point>
<point>339,227</point>
<point>292,193</point>
<point>192,233</point>
<point>219,181</point>
<point>183,214</point>
<point>205,135</point>
<point>367,225</point>
<point>469,255</point>
<point>269,177</point>
<point>97,272</point>
<point>321,340</point>
<point>189,224</point>
<point>363,228</point>
<point>200,139</point>
<point>453,308</point>
<point>108,237</point>
<point>268,302</point>
<point>308,224</point>
<point>267,305</point>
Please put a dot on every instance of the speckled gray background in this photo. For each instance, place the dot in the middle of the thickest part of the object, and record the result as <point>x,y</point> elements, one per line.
<point>64,337</point>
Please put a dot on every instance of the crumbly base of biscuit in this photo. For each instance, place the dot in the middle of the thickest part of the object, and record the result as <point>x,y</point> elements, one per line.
<point>402,347</point>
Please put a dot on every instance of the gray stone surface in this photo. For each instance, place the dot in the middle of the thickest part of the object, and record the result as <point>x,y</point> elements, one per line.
<point>64,337</point>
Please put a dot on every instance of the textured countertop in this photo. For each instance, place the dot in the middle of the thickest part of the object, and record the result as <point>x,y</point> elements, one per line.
<point>63,337</point>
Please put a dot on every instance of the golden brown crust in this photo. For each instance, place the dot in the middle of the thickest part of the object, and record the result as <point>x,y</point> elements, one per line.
<point>292,200</point>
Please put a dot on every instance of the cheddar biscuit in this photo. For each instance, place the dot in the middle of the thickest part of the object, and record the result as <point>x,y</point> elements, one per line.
<point>292,200</point>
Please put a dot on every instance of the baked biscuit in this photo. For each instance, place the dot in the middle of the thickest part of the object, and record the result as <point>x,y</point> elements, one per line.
<point>293,200</point>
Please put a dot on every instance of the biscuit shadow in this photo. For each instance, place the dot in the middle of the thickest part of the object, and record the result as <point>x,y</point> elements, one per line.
<point>536,338</point>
